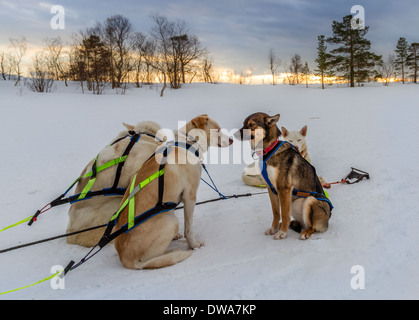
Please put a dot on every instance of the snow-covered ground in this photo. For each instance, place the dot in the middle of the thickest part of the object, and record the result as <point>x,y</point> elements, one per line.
<point>46,140</point>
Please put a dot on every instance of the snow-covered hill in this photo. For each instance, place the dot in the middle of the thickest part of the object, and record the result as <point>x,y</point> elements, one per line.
<point>46,140</point>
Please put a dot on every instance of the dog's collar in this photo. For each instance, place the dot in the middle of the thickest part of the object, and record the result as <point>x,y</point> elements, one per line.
<point>167,148</point>
<point>267,149</point>
<point>191,141</point>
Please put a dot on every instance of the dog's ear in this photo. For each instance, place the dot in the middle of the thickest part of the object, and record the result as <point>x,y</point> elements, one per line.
<point>303,131</point>
<point>284,131</point>
<point>270,121</point>
<point>128,126</point>
<point>200,121</point>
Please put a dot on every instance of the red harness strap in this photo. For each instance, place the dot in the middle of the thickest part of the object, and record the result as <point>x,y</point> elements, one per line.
<point>267,149</point>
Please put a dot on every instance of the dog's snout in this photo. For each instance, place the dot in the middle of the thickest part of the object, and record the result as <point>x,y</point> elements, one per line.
<point>238,134</point>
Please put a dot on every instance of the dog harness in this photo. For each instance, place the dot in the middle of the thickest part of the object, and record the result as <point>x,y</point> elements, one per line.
<point>267,153</point>
<point>111,191</point>
<point>160,207</point>
<point>134,221</point>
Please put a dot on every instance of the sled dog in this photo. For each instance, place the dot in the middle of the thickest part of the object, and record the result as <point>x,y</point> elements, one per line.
<point>99,209</point>
<point>295,189</point>
<point>251,174</point>
<point>298,139</point>
<point>146,246</point>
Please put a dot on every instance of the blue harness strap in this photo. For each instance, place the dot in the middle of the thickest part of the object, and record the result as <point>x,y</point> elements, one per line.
<point>317,195</point>
<point>188,147</point>
<point>297,193</point>
<point>263,166</point>
<point>195,151</point>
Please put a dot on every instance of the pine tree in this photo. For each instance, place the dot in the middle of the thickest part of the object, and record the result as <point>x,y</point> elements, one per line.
<point>92,63</point>
<point>353,57</point>
<point>323,60</point>
<point>413,60</point>
<point>306,72</point>
<point>401,55</point>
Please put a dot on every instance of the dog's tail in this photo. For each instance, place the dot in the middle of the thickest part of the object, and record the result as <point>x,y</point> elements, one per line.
<point>150,127</point>
<point>307,211</point>
<point>315,218</point>
<point>165,260</point>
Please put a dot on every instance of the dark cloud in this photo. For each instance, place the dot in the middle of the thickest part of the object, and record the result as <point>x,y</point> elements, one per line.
<point>238,33</point>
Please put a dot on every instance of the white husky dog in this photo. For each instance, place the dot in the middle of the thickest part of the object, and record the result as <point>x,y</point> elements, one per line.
<point>298,139</point>
<point>99,209</point>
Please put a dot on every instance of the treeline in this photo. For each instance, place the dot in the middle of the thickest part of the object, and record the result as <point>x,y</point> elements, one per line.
<point>350,60</point>
<point>111,53</point>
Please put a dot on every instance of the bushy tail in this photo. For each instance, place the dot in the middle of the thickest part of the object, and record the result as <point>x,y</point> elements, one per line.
<point>307,211</point>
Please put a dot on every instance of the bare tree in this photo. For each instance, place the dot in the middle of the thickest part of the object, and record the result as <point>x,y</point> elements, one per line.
<point>288,75</point>
<point>240,78</point>
<point>188,49</point>
<point>249,75</point>
<point>149,55</point>
<point>3,61</point>
<point>138,43</point>
<point>274,64</point>
<point>18,51</point>
<point>176,42</point>
<point>207,69</point>
<point>117,31</point>
<point>413,60</point>
<point>54,48</point>
<point>387,69</point>
<point>296,67</point>
<point>9,65</point>
<point>176,49</point>
<point>41,79</point>
<point>162,32</point>
<point>6,65</point>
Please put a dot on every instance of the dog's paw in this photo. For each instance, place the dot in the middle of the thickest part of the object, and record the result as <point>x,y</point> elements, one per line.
<point>178,236</point>
<point>280,235</point>
<point>271,231</point>
<point>305,235</point>
<point>196,244</point>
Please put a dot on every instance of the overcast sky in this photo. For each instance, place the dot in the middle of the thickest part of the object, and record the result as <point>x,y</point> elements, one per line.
<point>238,33</point>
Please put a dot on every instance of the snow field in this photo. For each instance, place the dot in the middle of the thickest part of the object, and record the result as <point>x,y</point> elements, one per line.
<point>47,139</point>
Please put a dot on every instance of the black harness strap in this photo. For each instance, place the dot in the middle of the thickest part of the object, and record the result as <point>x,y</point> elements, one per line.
<point>108,236</point>
<point>160,207</point>
<point>89,195</point>
<point>94,169</point>
<point>112,191</point>
<point>135,137</point>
